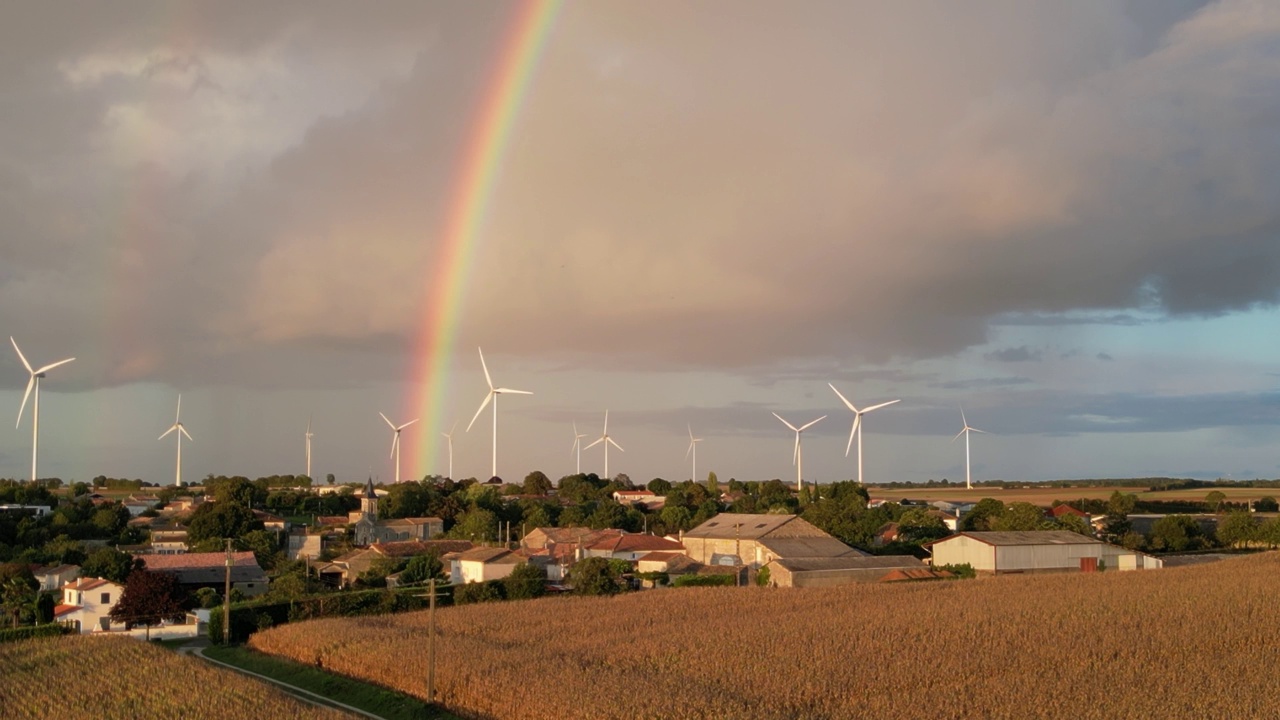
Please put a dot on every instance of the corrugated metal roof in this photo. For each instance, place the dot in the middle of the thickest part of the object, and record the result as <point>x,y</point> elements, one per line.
<point>807,547</point>
<point>739,525</point>
<point>1028,537</point>
<point>858,562</point>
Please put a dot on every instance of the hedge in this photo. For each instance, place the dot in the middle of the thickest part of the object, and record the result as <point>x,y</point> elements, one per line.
<point>253,615</point>
<point>704,580</point>
<point>36,631</point>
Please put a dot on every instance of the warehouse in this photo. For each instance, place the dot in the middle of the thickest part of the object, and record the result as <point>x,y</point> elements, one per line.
<point>1036,551</point>
<point>829,572</point>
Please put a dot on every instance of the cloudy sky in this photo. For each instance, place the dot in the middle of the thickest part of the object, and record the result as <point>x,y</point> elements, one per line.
<point>1062,216</point>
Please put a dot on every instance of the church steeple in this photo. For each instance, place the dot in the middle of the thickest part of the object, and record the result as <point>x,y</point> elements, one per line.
<point>369,502</point>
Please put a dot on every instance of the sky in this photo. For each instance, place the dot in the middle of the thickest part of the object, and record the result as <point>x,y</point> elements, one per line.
<point>1061,217</point>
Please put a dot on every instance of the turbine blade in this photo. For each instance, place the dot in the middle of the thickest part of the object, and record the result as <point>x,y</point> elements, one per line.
<point>387,420</point>
<point>183,430</point>
<point>611,442</point>
<point>308,426</point>
<point>984,432</point>
<point>843,399</point>
<point>407,424</point>
<point>21,357</point>
<point>509,391</point>
<point>51,366</point>
<point>852,431</point>
<point>690,431</point>
<point>784,422</point>
<point>597,442</point>
<point>166,432</point>
<point>957,437</point>
<point>487,379</point>
<point>795,451</point>
<point>30,384</point>
<point>178,415</point>
<point>483,405</point>
<point>877,407</point>
<point>686,452</point>
<point>811,423</point>
<point>606,423</point>
<point>395,440</point>
<point>962,418</point>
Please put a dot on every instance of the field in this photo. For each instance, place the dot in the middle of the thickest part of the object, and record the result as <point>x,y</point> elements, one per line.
<point>1186,642</point>
<point>1046,495</point>
<point>121,678</point>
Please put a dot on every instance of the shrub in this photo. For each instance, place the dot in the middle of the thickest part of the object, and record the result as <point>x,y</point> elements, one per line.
<point>705,580</point>
<point>762,577</point>
<point>38,631</point>
<point>525,582</point>
<point>478,592</point>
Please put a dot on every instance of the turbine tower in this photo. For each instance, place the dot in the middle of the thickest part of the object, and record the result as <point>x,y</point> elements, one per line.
<point>395,441</point>
<point>493,396</point>
<point>693,450</point>
<point>33,381</point>
<point>604,438</point>
<point>857,424</point>
<point>797,457</point>
<point>181,430</point>
<point>577,447</point>
<point>449,436</point>
<point>968,480</point>
<point>309,436</point>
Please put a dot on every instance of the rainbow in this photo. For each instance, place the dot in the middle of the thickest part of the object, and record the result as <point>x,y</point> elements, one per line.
<point>479,169</point>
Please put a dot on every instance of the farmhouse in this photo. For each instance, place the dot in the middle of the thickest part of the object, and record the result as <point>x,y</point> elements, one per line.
<point>754,540</point>
<point>1035,551</point>
<point>827,572</point>
<point>630,546</point>
<point>347,568</point>
<point>86,603</point>
<point>197,570</point>
<point>483,563</point>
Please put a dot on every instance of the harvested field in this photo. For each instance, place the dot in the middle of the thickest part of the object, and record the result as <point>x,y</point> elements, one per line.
<point>117,678</point>
<point>1187,642</point>
<point>1046,495</point>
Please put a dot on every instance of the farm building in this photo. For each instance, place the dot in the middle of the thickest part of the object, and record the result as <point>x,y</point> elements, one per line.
<point>754,540</point>
<point>827,572</point>
<point>1035,551</point>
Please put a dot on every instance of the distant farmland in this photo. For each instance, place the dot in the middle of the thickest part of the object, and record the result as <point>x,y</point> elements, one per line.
<point>125,679</point>
<point>1186,642</point>
<point>1046,495</point>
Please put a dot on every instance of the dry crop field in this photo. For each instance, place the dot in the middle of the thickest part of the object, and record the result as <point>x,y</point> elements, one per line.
<point>1046,495</point>
<point>122,679</point>
<point>1186,642</point>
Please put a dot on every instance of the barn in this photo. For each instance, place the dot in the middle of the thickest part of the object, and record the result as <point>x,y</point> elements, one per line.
<point>1035,551</point>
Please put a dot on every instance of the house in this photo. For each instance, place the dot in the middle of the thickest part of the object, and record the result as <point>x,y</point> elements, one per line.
<point>832,571</point>
<point>647,499</point>
<point>135,508</point>
<point>484,563</point>
<point>630,546</point>
<point>305,543</point>
<point>886,534</point>
<point>86,603</point>
<point>1035,551</point>
<point>754,540</point>
<point>369,529</point>
<point>53,577</point>
<point>197,570</point>
<point>168,541</point>
<point>34,510</point>
<point>345,569</point>
<point>270,521</point>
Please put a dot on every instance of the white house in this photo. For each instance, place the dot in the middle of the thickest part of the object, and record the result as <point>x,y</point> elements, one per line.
<point>86,603</point>
<point>54,577</point>
<point>1035,551</point>
<point>483,563</point>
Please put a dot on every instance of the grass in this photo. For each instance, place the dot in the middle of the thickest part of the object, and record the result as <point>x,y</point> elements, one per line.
<point>372,698</point>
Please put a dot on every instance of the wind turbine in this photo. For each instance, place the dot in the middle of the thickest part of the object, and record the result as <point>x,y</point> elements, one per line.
<point>604,438</point>
<point>857,425</point>
<point>968,481</point>
<point>449,436</point>
<point>309,436</point>
<point>577,446</point>
<point>493,396</point>
<point>395,441</point>
<point>182,430</point>
<point>693,450</point>
<point>33,381</point>
<point>797,457</point>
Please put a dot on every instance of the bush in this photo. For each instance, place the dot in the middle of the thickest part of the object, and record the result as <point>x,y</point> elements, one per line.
<point>963,571</point>
<point>595,576</point>
<point>525,582</point>
<point>705,580</point>
<point>762,577</point>
<point>38,631</point>
<point>477,592</point>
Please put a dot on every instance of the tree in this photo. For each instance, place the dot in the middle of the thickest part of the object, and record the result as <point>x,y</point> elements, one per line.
<point>982,515</point>
<point>1266,504</point>
<point>1075,524</point>
<point>762,577</point>
<point>676,518</point>
<point>421,568</point>
<point>408,499</point>
<point>18,588</point>
<point>238,490</point>
<point>713,484</point>
<point>917,526</point>
<point>330,479</point>
<point>1121,503</point>
<point>658,486</point>
<point>109,564</point>
<point>1215,499</point>
<point>595,576</point>
<point>218,520</point>
<point>265,546</point>
<point>207,597</point>
<point>1237,529</point>
<point>477,525</point>
<point>525,582</point>
<point>1174,533</point>
<point>148,599</point>
<point>1019,516</point>
<point>537,483</point>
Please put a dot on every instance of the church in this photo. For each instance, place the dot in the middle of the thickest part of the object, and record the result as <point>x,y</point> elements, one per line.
<point>369,528</point>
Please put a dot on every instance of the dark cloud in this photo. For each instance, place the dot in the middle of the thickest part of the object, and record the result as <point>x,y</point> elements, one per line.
<point>1106,357</point>
<point>1015,355</point>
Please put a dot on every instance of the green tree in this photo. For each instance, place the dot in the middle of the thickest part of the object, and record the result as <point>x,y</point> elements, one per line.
<point>986,511</point>
<point>108,564</point>
<point>1174,533</point>
<point>207,597</point>
<point>1266,504</point>
<point>762,577</point>
<point>477,592</point>
<point>238,490</point>
<point>1215,500</point>
<point>18,588</point>
<point>676,518</point>
<point>1020,516</point>
<point>1237,529</point>
<point>477,525</point>
<point>45,605</point>
<point>658,486</point>
<point>595,576</point>
<point>421,568</point>
<point>1269,532</point>
<point>330,479</point>
<point>265,546</point>
<point>525,582</point>
<point>608,514</point>
<point>1075,524</point>
<point>218,520</point>
<point>713,485</point>
<point>537,483</point>
<point>408,499</point>
<point>1121,504</point>
<point>917,526</point>
<point>148,599</point>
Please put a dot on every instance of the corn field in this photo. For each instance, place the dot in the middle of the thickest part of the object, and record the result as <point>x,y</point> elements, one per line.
<point>123,679</point>
<point>1186,642</point>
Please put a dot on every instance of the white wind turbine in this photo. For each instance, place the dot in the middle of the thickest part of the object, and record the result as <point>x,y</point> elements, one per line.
<point>797,456</point>
<point>693,450</point>
<point>857,425</point>
<point>449,436</point>
<point>395,441</point>
<point>968,480</point>
<point>577,447</point>
<point>182,430</point>
<point>309,436</point>
<point>493,397</point>
<point>604,438</point>
<point>33,381</point>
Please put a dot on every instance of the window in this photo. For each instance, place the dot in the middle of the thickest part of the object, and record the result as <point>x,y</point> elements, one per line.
<point>106,598</point>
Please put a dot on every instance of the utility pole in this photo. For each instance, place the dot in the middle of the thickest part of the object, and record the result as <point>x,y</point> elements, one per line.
<point>431,643</point>
<point>226,600</point>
